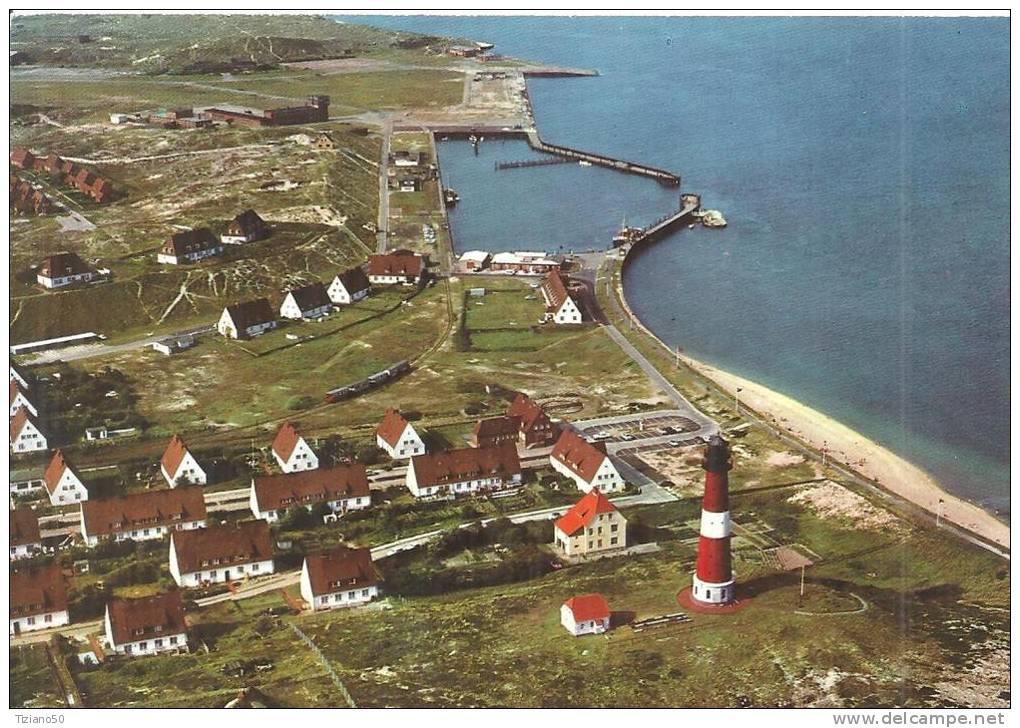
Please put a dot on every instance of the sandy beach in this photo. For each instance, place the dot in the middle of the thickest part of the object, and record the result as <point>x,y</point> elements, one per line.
<point>852,449</point>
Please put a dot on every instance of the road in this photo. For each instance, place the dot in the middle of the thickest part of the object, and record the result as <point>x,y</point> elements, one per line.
<point>87,351</point>
<point>384,192</point>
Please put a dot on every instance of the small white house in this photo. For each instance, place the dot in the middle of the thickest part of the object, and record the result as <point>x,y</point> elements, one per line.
<point>561,306</point>
<point>17,376</point>
<point>585,614</point>
<point>245,228</point>
<point>147,625</point>
<point>38,599</point>
<point>221,553</point>
<point>247,319</point>
<point>397,437</point>
<point>189,246</point>
<point>63,483</point>
<point>20,399</point>
<point>64,269</point>
<point>179,466</point>
<point>587,465</point>
<point>25,434</point>
<point>307,302</point>
<point>292,452</point>
<point>349,287</point>
<point>340,577</point>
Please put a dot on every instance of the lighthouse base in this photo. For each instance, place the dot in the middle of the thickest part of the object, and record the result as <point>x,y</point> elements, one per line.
<point>709,593</point>
<point>686,600</point>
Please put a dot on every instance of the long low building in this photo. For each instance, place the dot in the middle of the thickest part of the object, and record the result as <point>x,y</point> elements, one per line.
<point>342,488</point>
<point>468,470</point>
<point>143,516</point>
<point>221,553</point>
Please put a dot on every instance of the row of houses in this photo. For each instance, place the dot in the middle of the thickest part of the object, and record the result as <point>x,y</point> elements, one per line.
<point>192,246</point>
<point>65,172</point>
<point>26,199</point>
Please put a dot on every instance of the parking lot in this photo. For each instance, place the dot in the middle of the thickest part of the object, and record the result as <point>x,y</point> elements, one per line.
<point>643,430</point>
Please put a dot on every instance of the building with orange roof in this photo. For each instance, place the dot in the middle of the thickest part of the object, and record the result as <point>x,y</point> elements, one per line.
<point>63,483</point>
<point>397,437</point>
<point>339,577</point>
<point>19,398</point>
<point>179,466</point>
<point>585,614</point>
<point>292,452</point>
<point>592,526</point>
<point>25,433</point>
<point>585,463</point>
<point>38,598</point>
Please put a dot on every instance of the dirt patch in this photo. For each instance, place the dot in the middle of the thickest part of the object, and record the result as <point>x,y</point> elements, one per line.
<point>831,501</point>
<point>783,459</point>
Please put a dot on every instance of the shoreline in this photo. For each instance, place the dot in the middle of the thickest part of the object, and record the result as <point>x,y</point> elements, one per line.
<point>847,447</point>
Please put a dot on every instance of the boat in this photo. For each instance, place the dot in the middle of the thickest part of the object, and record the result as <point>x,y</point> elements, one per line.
<point>626,235</point>
<point>584,163</point>
<point>450,196</point>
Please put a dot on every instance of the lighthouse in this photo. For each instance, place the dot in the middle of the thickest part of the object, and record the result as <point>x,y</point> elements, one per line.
<point>713,578</point>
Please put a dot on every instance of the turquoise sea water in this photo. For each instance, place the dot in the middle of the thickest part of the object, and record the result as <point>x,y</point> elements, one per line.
<point>863,166</point>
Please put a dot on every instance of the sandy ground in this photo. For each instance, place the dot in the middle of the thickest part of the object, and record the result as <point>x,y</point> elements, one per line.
<point>857,452</point>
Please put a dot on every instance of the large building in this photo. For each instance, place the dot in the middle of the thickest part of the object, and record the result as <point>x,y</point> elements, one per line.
<point>316,110</point>
<point>713,577</point>
<point>349,287</point>
<point>586,464</point>
<point>142,516</point>
<point>342,488</point>
<point>221,553</point>
<point>38,598</point>
<point>147,625</point>
<point>340,577</point>
<point>401,266</point>
<point>591,527</point>
<point>468,470</point>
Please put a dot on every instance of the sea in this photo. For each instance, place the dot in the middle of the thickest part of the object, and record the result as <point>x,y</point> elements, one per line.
<point>863,167</point>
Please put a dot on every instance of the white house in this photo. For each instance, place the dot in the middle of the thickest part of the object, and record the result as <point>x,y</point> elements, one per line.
<point>245,228</point>
<point>221,553</point>
<point>561,305</point>
<point>292,452</point>
<point>400,266</point>
<point>247,319</point>
<point>587,465</point>
<point>348,287</point>
<point>146,625</point>
<point>585,614</point>
<point>19,377</point>
<point>464,471</point>
<point>189,246</point>
<point>397,437</point>
<point>142,516</point>
<point>25,433</point>
<point>25,539</point>
<point>307,302</point>
<point>178,465</point>
<point>340,577</point>
<point>38,598</point>
<point>63,483</point>
<point>64,269</point>
<point>475,259</point>
<point>20,399</point>
<point>341,489</point>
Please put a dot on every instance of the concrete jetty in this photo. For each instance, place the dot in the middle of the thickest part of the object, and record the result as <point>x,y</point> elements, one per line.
<point>661,175</point>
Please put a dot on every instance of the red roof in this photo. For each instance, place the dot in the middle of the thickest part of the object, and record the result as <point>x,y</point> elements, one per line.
<point>226,545</point>
<point>56,469</point>
<point>37,590</point>
<point>285,441</point>
<point>340,568</point>
<point>273,492</point>
<point>174,455</point>
<point>531,414</point>
<point>588,607</point>
<point>396,264</point>
<point>64,264</point>
<point>24,527</point>
<point>391,427</point>
<point>132,620</point>
<point>19,420</point>
<point>578,454</point>
<point>146,509</point>
<point>584,511</point>
<point>555,289</point>
<point>470,463</point>
<point>16,390</point>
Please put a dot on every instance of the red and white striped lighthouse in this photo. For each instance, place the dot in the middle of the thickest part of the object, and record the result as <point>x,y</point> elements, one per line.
<point>713,578</point>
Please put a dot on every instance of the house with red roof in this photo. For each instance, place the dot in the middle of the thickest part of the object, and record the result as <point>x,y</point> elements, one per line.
<point>25,433</point>
<point>19,398</point>
<point>349,287</point>
<point>494,430</point>
<point>179,466</point>
<point>26,541</point>
<point>142,516</point>
<point>535,429</point>
<point>223,553</point>
<point>63,483</point>
<point>585,463</point>
<point>146,625</point>
<point>339,577</point>
<point>592,526</point>
<point>467,470</point>
<point>400,266</point>
<point>562,306</point>
<point>17,375</point>
<point>292,452</point>
<point>38,598</point>
<point>342,488</point>
<point>585,614</point>
<point>397,437</point>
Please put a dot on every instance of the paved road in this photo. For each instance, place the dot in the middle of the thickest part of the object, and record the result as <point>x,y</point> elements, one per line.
<point>382,224</point>
<point>88,351</point>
